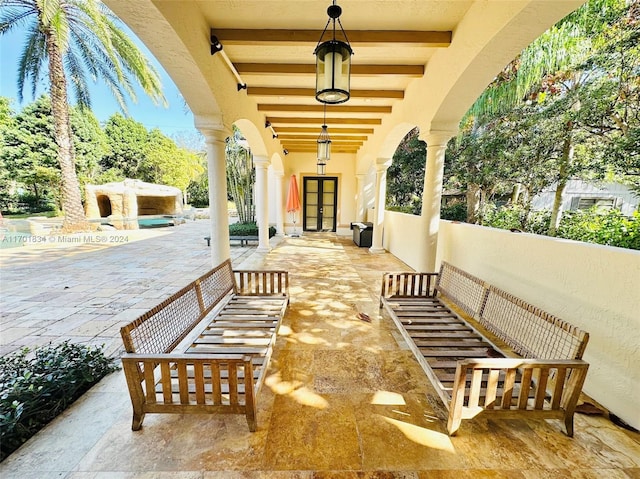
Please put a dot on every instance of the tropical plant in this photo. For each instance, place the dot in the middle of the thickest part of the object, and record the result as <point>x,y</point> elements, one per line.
<point>240,176</point>
<point>36,386</point>
<point>554,72</point>
<point>78,38</point>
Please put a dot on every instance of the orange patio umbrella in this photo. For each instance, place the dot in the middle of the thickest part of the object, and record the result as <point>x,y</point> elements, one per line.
<point>293,201</point>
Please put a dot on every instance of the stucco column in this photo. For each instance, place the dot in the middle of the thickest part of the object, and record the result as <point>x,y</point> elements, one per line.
<point>262,203</point>
<point>382,164</point>
<point>218,212</point>
<point>360,213</point>
<point>278,175</point>
<point>432,194</point>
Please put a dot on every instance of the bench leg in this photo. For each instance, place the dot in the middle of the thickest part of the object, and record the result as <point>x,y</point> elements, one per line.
<point>453,424</point>
<point>136,424</point>
<point>568,423</point>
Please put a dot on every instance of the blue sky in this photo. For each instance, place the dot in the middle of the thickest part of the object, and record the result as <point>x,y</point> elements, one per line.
<point>175,119</point>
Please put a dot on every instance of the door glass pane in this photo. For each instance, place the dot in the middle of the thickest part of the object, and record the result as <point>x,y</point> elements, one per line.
<point>312,198</point>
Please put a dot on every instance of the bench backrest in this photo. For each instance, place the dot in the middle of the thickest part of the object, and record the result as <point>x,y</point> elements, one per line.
<point>162,328</point>
<point>461,288</point>
<point>531,332</point>
<point>215,285</point>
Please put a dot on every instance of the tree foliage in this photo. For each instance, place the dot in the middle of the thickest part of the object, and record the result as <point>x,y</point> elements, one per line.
<point>30,173</point>
<point>405,176</point>
<point>568,107</point>
<point>75,40</point>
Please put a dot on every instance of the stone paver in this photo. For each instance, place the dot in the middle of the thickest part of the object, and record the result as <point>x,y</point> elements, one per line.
<point>86,290</point>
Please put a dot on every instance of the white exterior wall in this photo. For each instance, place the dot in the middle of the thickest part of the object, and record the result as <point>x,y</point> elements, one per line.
<point>579,188</point>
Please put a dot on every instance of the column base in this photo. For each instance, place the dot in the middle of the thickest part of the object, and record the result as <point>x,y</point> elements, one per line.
<point>377,250</point>
<point>263,249</point>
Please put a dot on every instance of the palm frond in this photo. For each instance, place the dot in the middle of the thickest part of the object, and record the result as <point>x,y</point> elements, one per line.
<point>30,62</point>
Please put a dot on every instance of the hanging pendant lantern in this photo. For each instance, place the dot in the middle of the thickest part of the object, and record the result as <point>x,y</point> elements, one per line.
<point>322,168</point>
<point>324,145</point>
<point>333,63</point>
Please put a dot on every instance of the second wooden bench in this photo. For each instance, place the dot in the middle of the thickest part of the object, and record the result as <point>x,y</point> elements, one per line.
<point>532,364</point>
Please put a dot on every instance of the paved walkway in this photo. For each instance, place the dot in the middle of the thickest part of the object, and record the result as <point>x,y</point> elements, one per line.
<point>343,398</point>
<point>85,287</point>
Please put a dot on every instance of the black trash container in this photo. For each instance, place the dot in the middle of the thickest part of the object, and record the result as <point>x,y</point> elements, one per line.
<point>362,234</point>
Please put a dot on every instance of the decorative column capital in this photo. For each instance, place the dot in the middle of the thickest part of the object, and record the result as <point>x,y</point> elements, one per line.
<point>435,138</point>
<point>383,164</point>
<point>262,162</point>
<point>211,128</point>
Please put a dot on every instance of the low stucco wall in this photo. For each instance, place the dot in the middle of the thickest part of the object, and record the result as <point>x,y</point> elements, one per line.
<point>401,232</point>
<point>594,287</point>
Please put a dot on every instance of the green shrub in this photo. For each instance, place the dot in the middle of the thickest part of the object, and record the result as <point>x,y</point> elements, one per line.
<point>248,229</point>
<point>37,386</point>
<point>610,228</point>
<point>454,211</point>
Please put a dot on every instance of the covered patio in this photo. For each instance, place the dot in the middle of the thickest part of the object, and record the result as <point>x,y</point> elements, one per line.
<point>343,398</point>
<point>250,64</point>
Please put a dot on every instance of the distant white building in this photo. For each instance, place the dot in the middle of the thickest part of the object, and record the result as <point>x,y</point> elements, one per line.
<point>580,194</point>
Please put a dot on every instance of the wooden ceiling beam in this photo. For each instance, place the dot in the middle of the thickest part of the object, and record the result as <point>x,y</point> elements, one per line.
<point>313,143</point>
<point>309,129</point>
<point>320,108</point>
<point>314,136</point>
<point>311,92</point>
<point>310,69</point>
<point>274,120</point>
<point>239,36</point>
<point>333,150</point>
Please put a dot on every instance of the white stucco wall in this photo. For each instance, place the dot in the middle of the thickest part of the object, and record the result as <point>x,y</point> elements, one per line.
<point>596,288</point>
<point>401,233</point>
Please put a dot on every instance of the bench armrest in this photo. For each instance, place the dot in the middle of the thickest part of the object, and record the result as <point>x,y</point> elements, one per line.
<point>510,384</point>
<point>409,285</point>
<point>165,382</point>
<point>262,283</point>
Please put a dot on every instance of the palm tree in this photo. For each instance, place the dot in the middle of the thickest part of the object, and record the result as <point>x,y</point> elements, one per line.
<point>76,39</point>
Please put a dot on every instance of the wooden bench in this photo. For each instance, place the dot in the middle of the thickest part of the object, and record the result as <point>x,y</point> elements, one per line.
<point>244,240</point>
<point>206,349</point>
<point>532,364</point>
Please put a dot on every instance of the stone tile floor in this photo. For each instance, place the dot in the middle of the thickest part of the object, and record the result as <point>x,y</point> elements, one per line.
<point>343,398</point>
<point>85,287</point>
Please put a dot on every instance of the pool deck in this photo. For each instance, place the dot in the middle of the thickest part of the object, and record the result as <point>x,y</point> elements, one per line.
<point>343,398</point>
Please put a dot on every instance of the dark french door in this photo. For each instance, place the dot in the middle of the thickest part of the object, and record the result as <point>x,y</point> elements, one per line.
<point>320,198</point>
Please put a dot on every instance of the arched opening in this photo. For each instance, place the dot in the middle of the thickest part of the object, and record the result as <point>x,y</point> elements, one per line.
<point>104,205</point>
